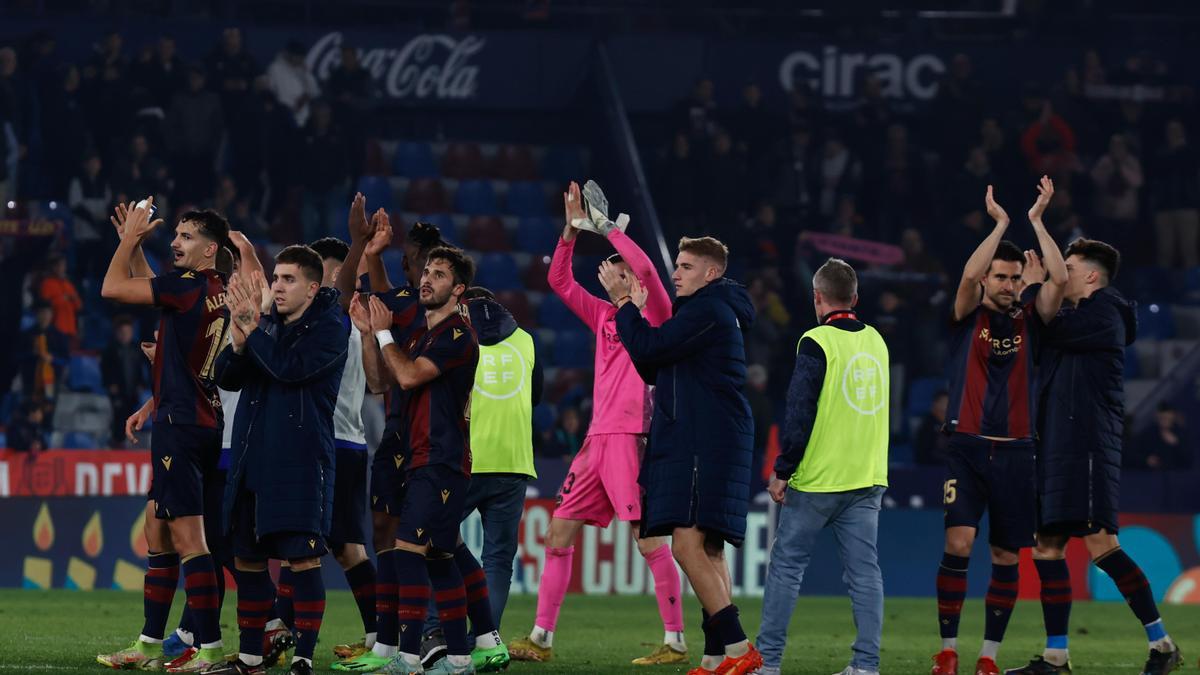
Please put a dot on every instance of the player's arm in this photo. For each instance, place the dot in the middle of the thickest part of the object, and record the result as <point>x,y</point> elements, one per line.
<point>380,240</point>
<point>137,420</point>
<point>1093,326</point>
<point>561,276</point>
<point>1050,295</point>
<point>804,390</point>
<point>118,285</point>
<point>321,351</point>
<point>658,303</point>
<point>138,266</point>
<point>358,241</point>
<point>407,373</point>
<point>248,262</point>
<point>967,298</point>
<point>678,337</point>
<point>372,358</point>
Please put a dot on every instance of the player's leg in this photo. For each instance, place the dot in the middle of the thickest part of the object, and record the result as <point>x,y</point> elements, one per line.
<point>856,528</point>
<point>964,499</point>
<point>1049,557</point>
<point>347,538</point>
<point>309,601</point>
<point>740,654</point>
<point>1108,555</point>
<point>800,521</point>
<point>501,516</point>
<point>489,652</point>
<point>360,576</point>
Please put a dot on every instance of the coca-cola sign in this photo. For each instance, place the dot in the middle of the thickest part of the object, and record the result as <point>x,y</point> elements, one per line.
<point>426,67</point>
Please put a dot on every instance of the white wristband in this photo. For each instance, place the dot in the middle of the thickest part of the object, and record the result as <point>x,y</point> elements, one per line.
<point>384,338</point>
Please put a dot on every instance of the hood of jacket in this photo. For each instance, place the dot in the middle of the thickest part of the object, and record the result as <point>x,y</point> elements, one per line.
<point>492,321</point>
<point>731,293</point>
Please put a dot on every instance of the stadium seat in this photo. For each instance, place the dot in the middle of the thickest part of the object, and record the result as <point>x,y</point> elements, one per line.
<point>573,349</point>
<point>1133,366</point>
<point>393,262</point>
<point>920,395</point>
<point>1155,321</point>
<point>374,163</point>
<point>79,440</point>
<point>900,453</point>
<point>487,233</point>
<point>563,164</point>
<point>543,417</point>
<point>555,315</point>
<point>476,198</point>
<point>498,272</point>
<point>377,190</point>
<point>526,198</point>
<point>83,374</point>
<point>518,305</point>
<point>537,235</point>
<point>426,195</point>
<point>97,330</point>
<point>463,161</point>
<point>414,159</point>
<point>1149,283</point>
<point>535,274</point>
<point>514,162</point>
<point>86,412</point>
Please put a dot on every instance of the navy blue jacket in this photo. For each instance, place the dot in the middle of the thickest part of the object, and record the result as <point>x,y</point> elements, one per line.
<point>282,445</point>
<point>1082,410</point>
<point>696,470</point>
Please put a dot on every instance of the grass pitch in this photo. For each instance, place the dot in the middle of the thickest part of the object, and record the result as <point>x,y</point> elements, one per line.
<point>62,631</point>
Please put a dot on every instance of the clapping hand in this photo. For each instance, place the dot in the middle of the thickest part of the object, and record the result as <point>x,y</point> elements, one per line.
<point>138,223</point>
<point>994,209</point>
<point>1045,193</point>
<point>1033,272</point>
<point>381,238</point>
<point>617,285</point>
<point>573,206</point>
<point>359,227</point>
<point>381,316</point>
<point>360,315</point>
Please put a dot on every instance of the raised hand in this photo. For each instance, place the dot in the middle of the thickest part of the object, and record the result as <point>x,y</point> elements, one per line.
<point>381,316</point>
<point>994,209</point>
<point>359,227</point>
<point>1045,190</point>
<point>382,237</point>
<point>239,240</point>
<point>360,315</point>
<point>260,292</point>
<point>138,223</point>
<point>120,214</point>
<point>618,287</point>
<point>637,292</point>
<point>1033,272</point>
<point>573,208</point>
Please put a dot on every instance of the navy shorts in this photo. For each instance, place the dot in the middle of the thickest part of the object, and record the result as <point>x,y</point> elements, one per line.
<point>387,478</point>
<point>433,507</point>
<point>349,498</point>
<point>247,545</point>
<point>999,477</point>
<point>220,542</point>
<point>182,456</point>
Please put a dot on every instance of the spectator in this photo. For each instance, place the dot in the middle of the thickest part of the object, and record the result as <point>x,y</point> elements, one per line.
<point>1164,446</point>
<point>972,181</point>
<point>294,87</point>
<point>1118,177</point>
<point>104,77</point>
<point>901,184</point>
<point>123,368</point>
<point>232,73</point>
<point>958,107</point>
<point>194,126</point>
<point>724,186</point>
<point>10,122</point>
<point>89,198</point>
<point>893,324</point>
<point>762,409</point>
<point>772,318</point>
<point>326,172</point>
<point>64,113</point>
<point>1175,198</point>
<point>698,114</point>
<point>57,290</point>
<point>797,172</point>
<point>847,221</point>
<point>754,128</point>
<point>841,173</point>
<point>350,90</point>
<point>930,442</point>
<point>680,182</point>
<point>160,72</point>
<point>1049,144</point>
<point>138,173</point>
<point>43,355</point>
<point>568,434</point>
<point>26,432</point>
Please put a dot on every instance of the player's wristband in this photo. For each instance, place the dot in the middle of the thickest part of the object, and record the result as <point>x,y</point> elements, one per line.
<point>384,338</point>
<point>620,301</point>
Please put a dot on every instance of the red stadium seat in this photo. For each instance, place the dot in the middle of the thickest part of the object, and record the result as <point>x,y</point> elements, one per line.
<point>487,233</point>
<point>463,161</point>
<point>374,163</point>
<point>518,304</point>
<point>514,162</point>
<point>426,195</point>
<point>535,275</point>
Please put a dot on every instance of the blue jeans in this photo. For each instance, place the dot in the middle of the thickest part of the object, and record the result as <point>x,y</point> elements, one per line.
<point>854,517</point>
<point>500,498</point>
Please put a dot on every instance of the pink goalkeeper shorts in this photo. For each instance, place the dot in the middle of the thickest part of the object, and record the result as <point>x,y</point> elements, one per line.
<point>603,480</point>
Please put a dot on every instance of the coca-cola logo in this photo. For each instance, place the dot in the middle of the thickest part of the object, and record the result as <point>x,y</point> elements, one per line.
<point>428,66</point>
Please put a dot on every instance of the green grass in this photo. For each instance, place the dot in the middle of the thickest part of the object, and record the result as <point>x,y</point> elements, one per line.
<point>62,631</point>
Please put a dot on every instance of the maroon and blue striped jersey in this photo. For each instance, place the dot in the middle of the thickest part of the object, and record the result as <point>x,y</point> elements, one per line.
<point>992,376</point>
<point>408,317</point>
<point>191,332</point>
<point>438,430</point>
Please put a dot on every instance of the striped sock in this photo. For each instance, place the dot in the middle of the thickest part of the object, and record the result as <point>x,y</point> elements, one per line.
<point>479,607</point>
<point>951,589</point>
<point>285,610</point>
<point>1056,607</point>
<point>387,630</point>
<point>361,579</point>
<point>451,597</point>
<point>253,605</point>
<point>413,598</point>
<point>1133,585</point>
<point>309,602</point>
<point>200,584</point>
<point>158,591</point>
<point>1001,597</point>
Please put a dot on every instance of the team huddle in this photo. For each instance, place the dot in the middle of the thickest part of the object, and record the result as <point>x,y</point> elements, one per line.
<point>259,450</point>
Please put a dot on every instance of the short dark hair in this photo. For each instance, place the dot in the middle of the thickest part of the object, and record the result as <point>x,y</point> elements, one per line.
<point>836,281</point>
<point>425,236</point>
<point>210,224</point>
<point>460,263</point>
<point>1008,251</point>
<point>305,258</point>
<point>122,320</point>
<point>1098,253</point>
<point>476,292</point>
<point>331,247</point>
<point>707,247</point>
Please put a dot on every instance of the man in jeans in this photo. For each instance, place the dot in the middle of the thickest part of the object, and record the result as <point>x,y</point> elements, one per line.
<point>832,470</point>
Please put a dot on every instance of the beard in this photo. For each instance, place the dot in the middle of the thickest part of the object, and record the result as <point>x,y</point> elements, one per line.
<point>436,302</point>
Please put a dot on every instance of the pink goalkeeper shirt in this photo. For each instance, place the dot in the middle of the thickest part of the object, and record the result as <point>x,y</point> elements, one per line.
<point>621,400</point>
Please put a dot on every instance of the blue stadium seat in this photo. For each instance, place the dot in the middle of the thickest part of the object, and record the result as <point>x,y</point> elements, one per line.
<point>498,272</point>
<point>84,374</point>
<point>97,330</point>
<point>900,453</point>
<point>393,262</point>
<point>554,314</point>
<point>573,349</point>
<point>526,198</point>
<point>537,235</point>
<point>414,159</point>
<point>476,198</point>
<point>1151,283</point>
<point>563,163</point>
<point>79,440</point>
<point>378,191</point>
<point>543,417</point>
<point>1133,367</point>
<point>338,219</point>
<point>920,395</point>
<point>1155,321</point>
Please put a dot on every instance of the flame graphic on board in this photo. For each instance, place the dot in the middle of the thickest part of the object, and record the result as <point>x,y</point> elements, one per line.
<point>93,536</point>
<point>43,529</point>
<point>137,536</point>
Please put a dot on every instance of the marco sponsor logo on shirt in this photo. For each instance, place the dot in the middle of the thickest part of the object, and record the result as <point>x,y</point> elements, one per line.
<point>1001,346</point>
<point>837,74</point>
<point>426,67</point>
